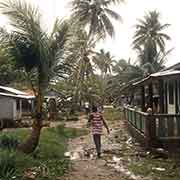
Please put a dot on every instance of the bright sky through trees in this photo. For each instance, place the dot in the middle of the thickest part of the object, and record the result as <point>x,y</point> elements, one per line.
<point>120,46</point>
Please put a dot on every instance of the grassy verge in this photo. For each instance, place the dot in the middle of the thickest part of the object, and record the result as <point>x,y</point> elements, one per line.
<point>48,161</point>
<point>158,169</point>
<point>113,114</point>
<point>152,166</point>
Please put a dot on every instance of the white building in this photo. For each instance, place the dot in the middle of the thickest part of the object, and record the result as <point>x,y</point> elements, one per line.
<point>14,103</point>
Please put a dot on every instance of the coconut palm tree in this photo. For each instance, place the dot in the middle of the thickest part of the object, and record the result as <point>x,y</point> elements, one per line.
<point>149,39</point>
<point>149,32</point>
<point>80,50</point>
<point>154,64</point>
<point>94,15</point>
<point>104,62</point>
<point>124,74</point>
<point>35,52</point>
<point>91,17</point>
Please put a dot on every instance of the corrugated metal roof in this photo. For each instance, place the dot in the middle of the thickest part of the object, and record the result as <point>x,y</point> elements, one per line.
<point>165,73</point>
<point>17,96</point>
<point>12,90</point>
<point>156,75</point>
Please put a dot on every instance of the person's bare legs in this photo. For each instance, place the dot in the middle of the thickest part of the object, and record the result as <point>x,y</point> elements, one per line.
<point>97,141</point>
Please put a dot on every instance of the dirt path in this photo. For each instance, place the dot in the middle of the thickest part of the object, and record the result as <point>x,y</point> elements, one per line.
<point>116,147</point>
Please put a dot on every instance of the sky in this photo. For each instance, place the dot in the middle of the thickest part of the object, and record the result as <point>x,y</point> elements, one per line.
<point>121,45</point>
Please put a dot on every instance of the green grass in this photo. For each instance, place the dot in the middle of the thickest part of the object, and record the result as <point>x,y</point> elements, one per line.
<point>48,160</point>
<point>112,114</point>
<point>147,167</point>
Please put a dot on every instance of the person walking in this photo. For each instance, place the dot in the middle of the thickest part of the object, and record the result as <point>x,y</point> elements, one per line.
<point>97,121</point>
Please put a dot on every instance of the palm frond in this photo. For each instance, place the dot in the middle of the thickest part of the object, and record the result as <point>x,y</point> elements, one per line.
<point>113,14</point>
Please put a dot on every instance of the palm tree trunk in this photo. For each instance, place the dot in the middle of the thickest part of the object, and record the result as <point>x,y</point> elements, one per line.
<point>30,144</point>
<point>32,141</point>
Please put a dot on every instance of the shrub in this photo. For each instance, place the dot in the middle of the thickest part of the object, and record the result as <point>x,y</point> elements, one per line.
<point>8,142</point>
<point>7,164</point>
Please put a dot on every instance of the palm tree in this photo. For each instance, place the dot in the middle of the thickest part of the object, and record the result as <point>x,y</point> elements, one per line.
<point>149,32</point>
<point>154,64</point>
<point>104,62</point>
<point>124,74</point>
<point>149,38</point>
<point>35,52</point>
<point>91,17</point>
<point>80,50</point>
<point>94,15</point>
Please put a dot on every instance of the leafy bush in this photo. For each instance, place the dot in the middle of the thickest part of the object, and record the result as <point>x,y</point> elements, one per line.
<point>7,164</point>
<point>8,142</point>
<point>112,114</point>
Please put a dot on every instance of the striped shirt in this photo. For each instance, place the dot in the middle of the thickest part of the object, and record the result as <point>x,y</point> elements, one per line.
<point>97,123</point>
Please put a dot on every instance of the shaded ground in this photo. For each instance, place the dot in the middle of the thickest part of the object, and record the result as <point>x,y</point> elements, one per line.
<point>116,149</point>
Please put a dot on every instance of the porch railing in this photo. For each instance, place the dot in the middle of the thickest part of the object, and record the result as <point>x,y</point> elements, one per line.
<point>154,127</point>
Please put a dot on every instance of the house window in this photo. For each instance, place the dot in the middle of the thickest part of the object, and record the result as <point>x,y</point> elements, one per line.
<point>171,93</point>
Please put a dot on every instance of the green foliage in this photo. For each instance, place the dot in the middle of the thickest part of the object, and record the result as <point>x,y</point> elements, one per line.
<point>31,48</point>
<point>113,114</point>
<point>8,71</point>
<point>104,61</point>
<point>149,41</point>
<point>147,167</point>
<point>7,164</point>
<point>48,161</point>
<point>124,74</point>
<point>8,141</point>
<point>94,15</point>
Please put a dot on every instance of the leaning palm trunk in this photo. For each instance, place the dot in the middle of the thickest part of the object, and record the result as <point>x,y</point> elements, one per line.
<point>30,144</point>
<point>31,48</point>
<point>32,141</point>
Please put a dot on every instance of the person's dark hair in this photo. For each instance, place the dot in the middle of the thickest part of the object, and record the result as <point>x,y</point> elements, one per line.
<point>94,109</point>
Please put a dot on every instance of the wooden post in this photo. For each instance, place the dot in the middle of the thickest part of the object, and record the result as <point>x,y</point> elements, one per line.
<point>150,130</point>
<point>151,95</point>
<point>147,132</point>
<point>165,98</point>
<point>176,96</point>
<point>143,99</point>
<point>161,94</point>
<point>20,109</point>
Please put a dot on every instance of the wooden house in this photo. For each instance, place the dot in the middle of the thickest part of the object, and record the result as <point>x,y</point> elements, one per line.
<point>155,119</point>
<point>14,103</point>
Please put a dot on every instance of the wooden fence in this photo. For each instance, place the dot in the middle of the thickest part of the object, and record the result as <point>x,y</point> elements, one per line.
<point>154,129</point>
